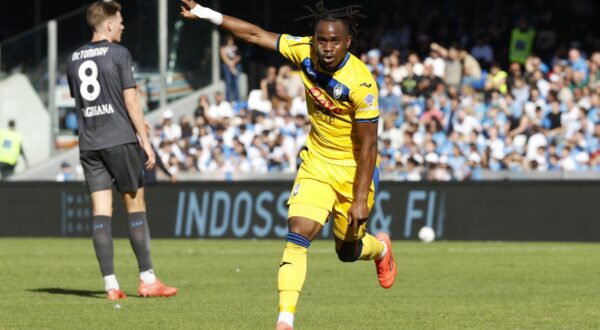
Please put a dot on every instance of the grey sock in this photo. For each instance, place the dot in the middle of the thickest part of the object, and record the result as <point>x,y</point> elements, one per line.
<point>103,244</point>
<point>139,237</point>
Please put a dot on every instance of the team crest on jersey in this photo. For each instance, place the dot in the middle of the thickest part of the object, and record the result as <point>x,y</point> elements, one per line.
<point>296,189</point>
<point>293,38</point>
<point>370,99</point>
<point>337,91</point>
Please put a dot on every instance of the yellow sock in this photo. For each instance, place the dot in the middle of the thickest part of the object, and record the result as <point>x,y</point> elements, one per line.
<point>372,248</point>
<point>292,272</point>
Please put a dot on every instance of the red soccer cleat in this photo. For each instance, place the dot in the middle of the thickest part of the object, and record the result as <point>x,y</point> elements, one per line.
<point>386,266</point>
<point>114,294</point>
<point>156,289</point>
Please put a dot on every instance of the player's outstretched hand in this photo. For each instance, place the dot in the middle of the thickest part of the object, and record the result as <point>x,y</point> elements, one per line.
<point>185,9</point>
<point>150,155</point>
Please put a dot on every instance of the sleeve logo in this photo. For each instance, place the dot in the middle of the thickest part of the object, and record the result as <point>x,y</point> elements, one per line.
<point>293,38</point>
<point>370,99</point>
<point>296,189</point>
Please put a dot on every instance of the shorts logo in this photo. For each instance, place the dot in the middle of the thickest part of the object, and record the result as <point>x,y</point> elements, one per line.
<point>370,99</point>
<point>296,189</point>
<point>337,91</point>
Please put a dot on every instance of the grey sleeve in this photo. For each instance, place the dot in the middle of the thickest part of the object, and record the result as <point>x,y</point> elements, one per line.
<point>70,80</point>
<point>125,64</point>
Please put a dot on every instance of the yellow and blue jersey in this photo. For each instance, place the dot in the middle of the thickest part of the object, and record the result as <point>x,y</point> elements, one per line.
<point>335,100</point>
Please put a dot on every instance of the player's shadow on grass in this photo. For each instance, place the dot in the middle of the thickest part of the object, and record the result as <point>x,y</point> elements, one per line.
<point>74,292</point>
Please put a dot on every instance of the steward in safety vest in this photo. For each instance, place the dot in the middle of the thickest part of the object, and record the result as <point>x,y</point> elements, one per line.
<point>10,149</point>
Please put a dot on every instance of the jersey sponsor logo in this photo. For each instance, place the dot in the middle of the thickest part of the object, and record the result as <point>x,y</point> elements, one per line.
<point>366,85</point>
<point>323,101</point>
<point>370,99</point>
<point>322,114</point>
<point>98,110</point>
<point>89,53</point>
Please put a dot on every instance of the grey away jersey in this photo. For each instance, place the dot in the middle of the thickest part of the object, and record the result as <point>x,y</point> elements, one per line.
<point>98,73</point>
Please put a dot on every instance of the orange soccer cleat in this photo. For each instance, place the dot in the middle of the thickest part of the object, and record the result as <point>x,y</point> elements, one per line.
<point>156,289</point>
<point>114,294</point>
<point>386,266</point>
<point>284,326</point>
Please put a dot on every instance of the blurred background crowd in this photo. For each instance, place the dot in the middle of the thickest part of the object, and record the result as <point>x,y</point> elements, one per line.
<point>465,88</point>
<point>457,98</point>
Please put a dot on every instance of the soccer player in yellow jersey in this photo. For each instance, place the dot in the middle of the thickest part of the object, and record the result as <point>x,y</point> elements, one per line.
<point>338,174</point>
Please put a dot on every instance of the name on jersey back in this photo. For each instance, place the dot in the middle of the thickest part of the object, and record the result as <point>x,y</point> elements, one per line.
<point>89,53</point>
<point>98,110</point>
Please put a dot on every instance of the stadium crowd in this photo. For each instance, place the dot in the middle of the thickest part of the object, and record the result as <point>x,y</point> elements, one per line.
<point>434,121</point>
<point>447,113</point>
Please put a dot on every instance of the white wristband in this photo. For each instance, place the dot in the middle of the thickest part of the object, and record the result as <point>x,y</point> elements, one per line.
<point>207,14</point>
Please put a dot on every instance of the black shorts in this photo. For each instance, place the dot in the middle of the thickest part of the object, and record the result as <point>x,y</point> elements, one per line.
<point>120,164</point>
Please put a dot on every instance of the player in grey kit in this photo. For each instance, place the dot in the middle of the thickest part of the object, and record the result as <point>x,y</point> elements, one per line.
<point>111,121</point>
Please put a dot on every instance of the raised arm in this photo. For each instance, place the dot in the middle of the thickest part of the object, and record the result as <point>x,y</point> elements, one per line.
<point>248,32</point>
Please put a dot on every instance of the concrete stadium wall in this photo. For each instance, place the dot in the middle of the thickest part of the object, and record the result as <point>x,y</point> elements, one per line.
<point>521,211</point>
<point>19,101</point>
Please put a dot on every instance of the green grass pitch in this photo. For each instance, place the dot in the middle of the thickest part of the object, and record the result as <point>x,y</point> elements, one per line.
<point>232,284</point>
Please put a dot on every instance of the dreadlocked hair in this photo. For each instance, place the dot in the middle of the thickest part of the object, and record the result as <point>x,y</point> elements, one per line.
<point>349,14</point>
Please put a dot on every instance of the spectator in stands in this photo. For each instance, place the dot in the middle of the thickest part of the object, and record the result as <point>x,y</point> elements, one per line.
<point>496,79</point>
<point>170,130</point>
<point>298,106</point>
<point>375,65</point>
<point>219,112</point>
<point>431,113</point>
<point>594,65</point>
<point>268,83</point>
<point>291,81</point>
<point>578,62</point>
<point>472,73</point>
<point>390,96</point>
<point>66,173</point>
<point>202,106</point>
<point>445,62</point>
<point>395,69</point>
<point>409,84</point>
<point>281,101</point>
<point>436,60</point>
<point>483,51</point>
<point>429,81</point>
<point>521,41</point>
<point>231,67</point>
